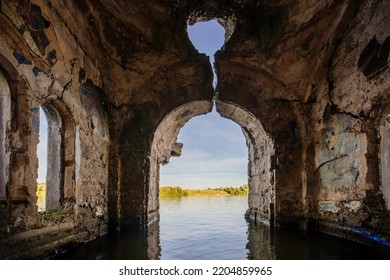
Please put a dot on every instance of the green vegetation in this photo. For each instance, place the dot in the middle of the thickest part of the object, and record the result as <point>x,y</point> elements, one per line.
<point>41,203</point>
<point>243,190</point>
<point>179,192</point>
<point>41,190</point>
<point>172,192</point>
<point>208,192</point>
<point>41,196</point>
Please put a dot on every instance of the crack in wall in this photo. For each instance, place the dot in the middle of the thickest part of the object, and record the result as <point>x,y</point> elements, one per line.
<point>332,160</point>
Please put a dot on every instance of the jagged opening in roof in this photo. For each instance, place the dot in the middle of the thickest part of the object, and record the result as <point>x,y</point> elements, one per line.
<point>208,37</point>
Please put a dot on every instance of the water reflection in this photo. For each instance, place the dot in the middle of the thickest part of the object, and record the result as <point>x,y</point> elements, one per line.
<point>215,228</point>
<point>260,244</point>
<point>287,244</point>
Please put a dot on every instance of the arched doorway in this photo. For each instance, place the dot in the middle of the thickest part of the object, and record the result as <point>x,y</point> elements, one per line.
<point>261,198</point>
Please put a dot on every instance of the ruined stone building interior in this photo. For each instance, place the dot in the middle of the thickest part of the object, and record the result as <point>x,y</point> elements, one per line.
<point>308,81</point>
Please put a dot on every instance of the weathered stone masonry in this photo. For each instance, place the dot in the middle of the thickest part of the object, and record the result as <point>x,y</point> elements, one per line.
<point>308,82</point>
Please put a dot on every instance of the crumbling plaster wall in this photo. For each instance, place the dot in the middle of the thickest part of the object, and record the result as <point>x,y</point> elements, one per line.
<point>348,159</point>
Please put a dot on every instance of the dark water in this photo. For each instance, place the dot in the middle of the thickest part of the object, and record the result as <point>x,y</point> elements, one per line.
<point>207,228</point>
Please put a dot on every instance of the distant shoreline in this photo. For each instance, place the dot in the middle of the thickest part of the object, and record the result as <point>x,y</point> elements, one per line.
<point>223,191</point>
<point>168,191</point>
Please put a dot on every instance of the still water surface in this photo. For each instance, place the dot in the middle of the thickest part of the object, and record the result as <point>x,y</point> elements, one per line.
<point>207,228</point>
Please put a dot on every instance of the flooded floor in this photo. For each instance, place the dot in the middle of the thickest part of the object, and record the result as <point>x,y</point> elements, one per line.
<point>210,228</point>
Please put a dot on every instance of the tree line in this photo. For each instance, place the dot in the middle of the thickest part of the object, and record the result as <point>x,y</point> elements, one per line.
<point>179,192</point>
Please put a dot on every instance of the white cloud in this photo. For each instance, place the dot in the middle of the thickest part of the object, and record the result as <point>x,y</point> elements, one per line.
<point>205,172</point>
<point>204,164</point>
<point>212,126</point>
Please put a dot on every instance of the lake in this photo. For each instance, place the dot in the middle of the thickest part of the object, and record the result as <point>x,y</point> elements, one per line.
<point>214,227</point>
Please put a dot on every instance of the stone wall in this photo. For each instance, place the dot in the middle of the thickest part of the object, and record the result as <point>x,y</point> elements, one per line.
<point>350,188</point>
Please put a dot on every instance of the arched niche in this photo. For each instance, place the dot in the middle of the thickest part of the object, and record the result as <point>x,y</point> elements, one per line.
<point>384,130</point>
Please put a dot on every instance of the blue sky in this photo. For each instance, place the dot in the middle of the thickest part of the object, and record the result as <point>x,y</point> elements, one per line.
<point>214,152</point>
<point>42,147</point>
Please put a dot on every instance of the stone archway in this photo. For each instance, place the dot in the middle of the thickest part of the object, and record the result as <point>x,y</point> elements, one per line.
<point>261,199</point>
